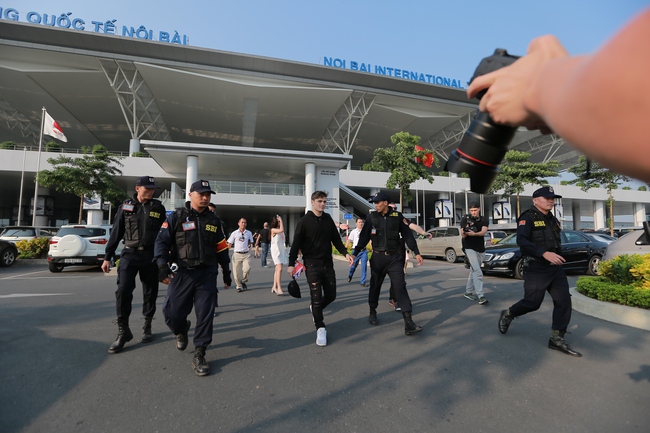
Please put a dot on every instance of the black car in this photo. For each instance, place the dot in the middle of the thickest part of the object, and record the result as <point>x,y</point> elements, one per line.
<point>581,252</point>
<point>8,253</point>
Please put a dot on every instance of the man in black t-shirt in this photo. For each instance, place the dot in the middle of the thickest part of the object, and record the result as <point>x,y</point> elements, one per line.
<point>265,239</point>
<point>474,226</point>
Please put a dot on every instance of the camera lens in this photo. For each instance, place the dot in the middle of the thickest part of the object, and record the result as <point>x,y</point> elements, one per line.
<point>480,151</point>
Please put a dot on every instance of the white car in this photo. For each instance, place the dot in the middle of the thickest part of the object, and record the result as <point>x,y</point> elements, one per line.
<point>79,244</point>
<point>635,242</point>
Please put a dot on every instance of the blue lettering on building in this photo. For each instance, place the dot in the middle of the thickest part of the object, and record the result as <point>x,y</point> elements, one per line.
<point>404,74</point>
<point>109,27</point>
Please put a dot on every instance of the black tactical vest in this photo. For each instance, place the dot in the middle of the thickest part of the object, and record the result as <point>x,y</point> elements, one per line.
<point>545,232</point>
<point>387,234</point>
<point>196,247</point>
<point>154,217</point>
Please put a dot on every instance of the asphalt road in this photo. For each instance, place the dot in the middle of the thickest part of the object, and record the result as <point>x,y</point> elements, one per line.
<point>459,375</point>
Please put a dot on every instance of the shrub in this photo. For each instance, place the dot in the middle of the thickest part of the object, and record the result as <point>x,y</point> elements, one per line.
<point>7,145</point>
<point>139,154</point>
<point>624,279</point>
<point>33,248</point>
<point>617,270</point>
<point>603,290</point>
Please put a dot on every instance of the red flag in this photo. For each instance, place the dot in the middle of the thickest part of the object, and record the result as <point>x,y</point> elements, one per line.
<point>52,128</point>
<point>427,161</point>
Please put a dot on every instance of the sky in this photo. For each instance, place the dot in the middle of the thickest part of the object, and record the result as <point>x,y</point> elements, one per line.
<point>445,39</point>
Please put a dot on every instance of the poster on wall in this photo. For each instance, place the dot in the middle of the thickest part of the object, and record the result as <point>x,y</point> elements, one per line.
<point>92,203</point>
<point>327,179</point>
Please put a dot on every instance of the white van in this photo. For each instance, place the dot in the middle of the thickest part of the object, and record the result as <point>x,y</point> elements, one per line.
<point>445,242</point>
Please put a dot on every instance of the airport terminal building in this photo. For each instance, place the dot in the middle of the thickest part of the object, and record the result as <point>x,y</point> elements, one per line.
<point>266,132</point>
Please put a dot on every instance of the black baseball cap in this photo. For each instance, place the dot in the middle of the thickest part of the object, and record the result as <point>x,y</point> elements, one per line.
<point>546,191</point>
<point>201,186</point>
<point>380,196</point>
<point>146,181</point>
<point>294,289</point>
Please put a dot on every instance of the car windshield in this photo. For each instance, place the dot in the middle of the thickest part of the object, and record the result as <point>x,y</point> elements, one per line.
<point>509,240</point>
<point>84,232</point>
<point>18,231</point>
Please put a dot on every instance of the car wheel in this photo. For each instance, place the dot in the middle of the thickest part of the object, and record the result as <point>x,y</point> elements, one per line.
<point>7,257</point>
<point>451,255</point>
<point>519,269</point>
<point>592,268</point>
<point>55,267</point>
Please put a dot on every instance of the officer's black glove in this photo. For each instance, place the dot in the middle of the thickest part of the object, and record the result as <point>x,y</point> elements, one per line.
<point>163,272</point>
<point>226,278</point>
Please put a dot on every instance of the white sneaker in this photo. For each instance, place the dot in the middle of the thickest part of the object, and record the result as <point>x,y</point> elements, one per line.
<point>321,337</point>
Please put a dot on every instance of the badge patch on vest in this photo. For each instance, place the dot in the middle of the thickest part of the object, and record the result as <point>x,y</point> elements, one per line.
<point>522,222</point>
<point>210,228</point>
<point>189,225</point>
<point>540,224</point>
<point>154,214</point>
<point>128,207</point>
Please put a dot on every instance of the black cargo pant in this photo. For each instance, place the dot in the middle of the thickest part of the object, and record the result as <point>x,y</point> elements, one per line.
<point>393,265</point>
<point>133,262</point>
<point>539,279</point>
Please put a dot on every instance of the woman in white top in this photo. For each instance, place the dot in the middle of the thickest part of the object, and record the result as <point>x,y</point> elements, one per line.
<point>278,252</point>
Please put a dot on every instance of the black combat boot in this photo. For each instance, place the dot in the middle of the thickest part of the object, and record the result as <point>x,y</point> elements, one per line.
<point>124,335</point>
<point>504,321</point>
<point>556,342</point>
<point>147,336</point>
<point>181,339</point>
<point>201,368</point>
<point>372,319</point>
<point>410,327</point>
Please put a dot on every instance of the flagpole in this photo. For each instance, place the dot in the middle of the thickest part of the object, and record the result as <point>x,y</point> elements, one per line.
<point>38,167</point>
<point>22,182</point>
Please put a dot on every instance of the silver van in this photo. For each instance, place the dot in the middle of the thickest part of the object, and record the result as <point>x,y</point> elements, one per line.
<point>445,242</point>
<point>635,242</point>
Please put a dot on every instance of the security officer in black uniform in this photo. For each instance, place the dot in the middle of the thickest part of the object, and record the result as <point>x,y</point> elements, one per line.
<point>193,240</point>
<point>383,228</point>
<point>538,237</point>
<point>137,221</point>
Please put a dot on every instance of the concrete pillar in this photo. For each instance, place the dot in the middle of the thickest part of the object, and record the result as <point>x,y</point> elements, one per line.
<point>310,184</point>
<point>95,217</point>
<point>639,214</point>
<point>191,173</point>
<point>575,215</point>
<point>599,215</point>
<point>134,146</point>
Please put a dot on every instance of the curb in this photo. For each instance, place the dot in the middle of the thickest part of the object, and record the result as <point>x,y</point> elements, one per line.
<point>30,262</point>
<point>621,314</point>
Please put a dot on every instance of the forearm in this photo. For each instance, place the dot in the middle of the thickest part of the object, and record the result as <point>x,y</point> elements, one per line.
<point>595,101</point>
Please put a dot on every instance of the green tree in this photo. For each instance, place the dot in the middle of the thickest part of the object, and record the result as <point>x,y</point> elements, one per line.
<point>400,162</point>
<point>517,171</point>
<point>597,176</point>
<point>86,176</point>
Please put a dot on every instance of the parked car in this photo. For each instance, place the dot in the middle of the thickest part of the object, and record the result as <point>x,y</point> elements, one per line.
<point>79,244</point>
<point>445,242</point>
<point>581,253</point>
<point>8,253</point>
<point>494,236</point>
<point>25,233</point>
<point>636,242</point>
<point>601,237</point>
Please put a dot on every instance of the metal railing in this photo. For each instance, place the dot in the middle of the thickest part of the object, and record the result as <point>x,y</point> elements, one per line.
<point>44,148</point>
<point>232,187</point>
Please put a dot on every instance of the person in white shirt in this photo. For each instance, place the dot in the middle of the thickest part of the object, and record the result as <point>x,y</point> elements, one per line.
<point>353,237</point>
<point>241,240</point>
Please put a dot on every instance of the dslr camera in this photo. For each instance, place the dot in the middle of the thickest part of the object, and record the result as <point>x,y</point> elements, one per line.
<point>485,142</point>
<point>472,224</point>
